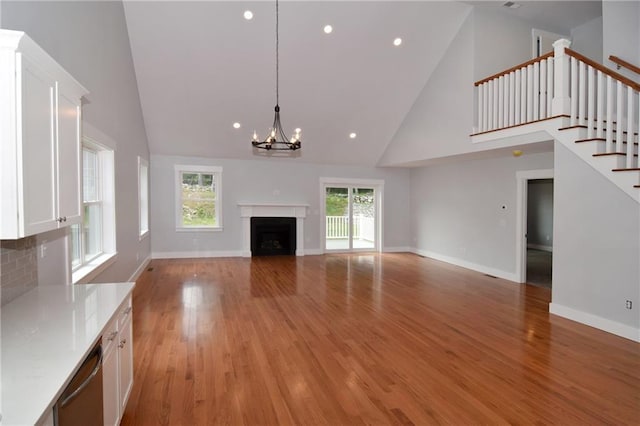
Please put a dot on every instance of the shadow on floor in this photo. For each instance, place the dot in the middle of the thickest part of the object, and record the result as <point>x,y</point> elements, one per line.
<point>539,267</point>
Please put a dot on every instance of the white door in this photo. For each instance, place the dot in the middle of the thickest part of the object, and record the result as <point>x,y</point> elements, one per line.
<point>351,217</point>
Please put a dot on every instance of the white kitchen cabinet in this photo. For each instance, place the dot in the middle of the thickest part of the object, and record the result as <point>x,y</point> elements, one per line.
<point>40,140</point>
<point>125,360</point>
<point>117,364</point>
<point>110,374</point>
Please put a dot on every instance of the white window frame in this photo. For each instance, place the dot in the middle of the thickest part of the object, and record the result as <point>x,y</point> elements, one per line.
<point>90,268</point>
<point>214,170</point>
<point>143,198</point>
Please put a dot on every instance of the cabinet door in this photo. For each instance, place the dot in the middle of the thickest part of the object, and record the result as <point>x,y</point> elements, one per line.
<point>111,403</point>
<point>125,361</point>
<point>38,150</point>
<point>68,158</point>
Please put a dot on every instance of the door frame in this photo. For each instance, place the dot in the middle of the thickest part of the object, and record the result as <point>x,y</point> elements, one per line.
<point>378,187</point>
<point>523,177</point>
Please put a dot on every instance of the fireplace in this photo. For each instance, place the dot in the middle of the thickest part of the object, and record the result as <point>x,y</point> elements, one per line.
<point>248,211</point>
<point>272,236</point>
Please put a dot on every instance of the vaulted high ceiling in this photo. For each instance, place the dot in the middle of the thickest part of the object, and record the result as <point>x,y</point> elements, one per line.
<point>201,67</point>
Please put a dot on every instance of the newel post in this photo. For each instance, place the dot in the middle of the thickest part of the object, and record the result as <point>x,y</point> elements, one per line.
<point>561,100</point>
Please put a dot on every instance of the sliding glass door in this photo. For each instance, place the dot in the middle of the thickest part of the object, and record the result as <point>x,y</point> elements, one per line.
<point>350,218</point>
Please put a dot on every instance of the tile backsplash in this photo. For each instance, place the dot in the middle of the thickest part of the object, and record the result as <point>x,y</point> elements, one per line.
<point>18,269</point>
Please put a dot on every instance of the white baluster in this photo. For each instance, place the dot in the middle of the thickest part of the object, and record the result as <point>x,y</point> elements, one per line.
<point>550,65</point>
<point>591,95</point>
<point>496,102</point>
<point>512,98</point>
<point>582,89</point>
<point>536,91</point>
<point>619,118</point>
<point>543,88</point>
<point>501,102</point>
<point>523,96</point>
<point>485,117</point>
<point>516,93</point>
<point>530,93</point>
<point>490,101</point>
<point>574,91</point>
<point>630,130</point>
<point>600,100</point>
<point>505,110</point>
<point>609,130</point>
<point>480,114</point>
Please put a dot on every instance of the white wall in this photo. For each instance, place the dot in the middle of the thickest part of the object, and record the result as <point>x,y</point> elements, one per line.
<point>442,117</point>
<point>587,39</point>
<point>90,40</point>
<point>457,214</point>
<point>596,258</point>
<point>621,33</point>
<point>265,181</point>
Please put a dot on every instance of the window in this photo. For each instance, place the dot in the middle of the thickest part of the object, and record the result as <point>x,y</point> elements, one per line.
<point>198,198</point>
<point>143,196</point>
<point>93,240</point>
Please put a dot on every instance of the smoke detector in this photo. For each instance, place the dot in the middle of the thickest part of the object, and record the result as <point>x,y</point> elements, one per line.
<point>511,5</point>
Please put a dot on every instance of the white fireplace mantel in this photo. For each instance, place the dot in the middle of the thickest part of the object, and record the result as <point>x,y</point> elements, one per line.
<point>249,210</point>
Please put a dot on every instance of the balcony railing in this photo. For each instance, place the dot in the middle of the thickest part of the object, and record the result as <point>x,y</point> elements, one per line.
<point>337,227</point>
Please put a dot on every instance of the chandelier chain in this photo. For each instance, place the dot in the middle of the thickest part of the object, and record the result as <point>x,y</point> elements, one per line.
<point>277,58</point>
<point>276,140</point>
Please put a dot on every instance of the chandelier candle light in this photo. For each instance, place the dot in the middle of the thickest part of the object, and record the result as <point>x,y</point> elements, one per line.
<point>276,139</point>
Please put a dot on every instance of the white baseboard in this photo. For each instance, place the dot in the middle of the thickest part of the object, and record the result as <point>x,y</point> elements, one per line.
<point>511,276</point>
<point>313,252</point>
<point>540,247</point>
<point>140,269</point>
<point>397,250</point>
<point>595,321</point>
<point>195,254</point>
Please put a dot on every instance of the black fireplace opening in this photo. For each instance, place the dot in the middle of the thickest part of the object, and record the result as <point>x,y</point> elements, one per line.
<point>273,236</point>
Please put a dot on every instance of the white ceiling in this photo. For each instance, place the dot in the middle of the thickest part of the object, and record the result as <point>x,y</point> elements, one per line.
<point>201,67</point>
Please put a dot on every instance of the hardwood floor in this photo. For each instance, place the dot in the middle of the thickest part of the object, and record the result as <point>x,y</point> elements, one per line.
<point>365,339</point>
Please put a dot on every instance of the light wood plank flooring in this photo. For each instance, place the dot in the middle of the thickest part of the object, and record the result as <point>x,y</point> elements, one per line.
<point>365,339</point>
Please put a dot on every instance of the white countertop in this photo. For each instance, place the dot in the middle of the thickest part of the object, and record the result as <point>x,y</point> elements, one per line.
<point>45,335</point>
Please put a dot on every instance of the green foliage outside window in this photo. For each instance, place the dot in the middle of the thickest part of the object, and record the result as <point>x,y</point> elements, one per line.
<point>198,199</point>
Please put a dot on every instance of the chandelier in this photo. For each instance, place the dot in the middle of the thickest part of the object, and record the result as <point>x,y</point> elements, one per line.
<point>276,139</point>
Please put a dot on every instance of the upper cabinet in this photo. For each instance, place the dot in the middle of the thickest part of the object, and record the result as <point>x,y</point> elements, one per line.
<point>40,140</point>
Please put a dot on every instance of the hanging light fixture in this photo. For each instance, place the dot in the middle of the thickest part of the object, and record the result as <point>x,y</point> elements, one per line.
<point>276,139</point>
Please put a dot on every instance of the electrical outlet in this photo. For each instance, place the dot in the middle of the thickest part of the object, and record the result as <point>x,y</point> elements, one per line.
<point>628,304</point>
<point>43,249</point>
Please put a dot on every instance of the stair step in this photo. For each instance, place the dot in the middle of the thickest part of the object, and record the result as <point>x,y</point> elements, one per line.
<point>582,126</point>
<point>617,160</point>
<point>633,169</point>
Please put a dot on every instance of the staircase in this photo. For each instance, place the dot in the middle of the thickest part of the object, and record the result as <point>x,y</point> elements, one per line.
<point>590,109</point>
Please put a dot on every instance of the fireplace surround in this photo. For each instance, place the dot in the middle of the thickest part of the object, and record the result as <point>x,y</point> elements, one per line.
<point>250,210</point>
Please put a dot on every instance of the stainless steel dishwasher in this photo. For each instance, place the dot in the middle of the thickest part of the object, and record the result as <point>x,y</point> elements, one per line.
<point>81,401</point>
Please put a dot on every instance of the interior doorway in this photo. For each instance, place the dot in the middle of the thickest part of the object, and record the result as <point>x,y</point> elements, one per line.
<point>534,227</point>
<point>539,234</point>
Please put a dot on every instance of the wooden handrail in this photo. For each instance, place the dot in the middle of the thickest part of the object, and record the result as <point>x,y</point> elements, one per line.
<point>603,69</point>
<point>623,63</point>
<point>517,67</point>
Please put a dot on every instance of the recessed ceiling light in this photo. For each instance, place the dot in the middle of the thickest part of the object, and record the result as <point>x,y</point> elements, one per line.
<point>328,29</point>
<point>236,125</point>
<point>352,135</point>
<point>248,15</point>
<point>397,41</point>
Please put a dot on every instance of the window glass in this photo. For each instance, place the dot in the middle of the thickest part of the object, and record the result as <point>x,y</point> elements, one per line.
<point>198,196</point>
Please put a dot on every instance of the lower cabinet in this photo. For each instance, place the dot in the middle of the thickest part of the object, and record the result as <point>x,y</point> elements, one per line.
<point>117,365</point>
<point>125,363</point>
